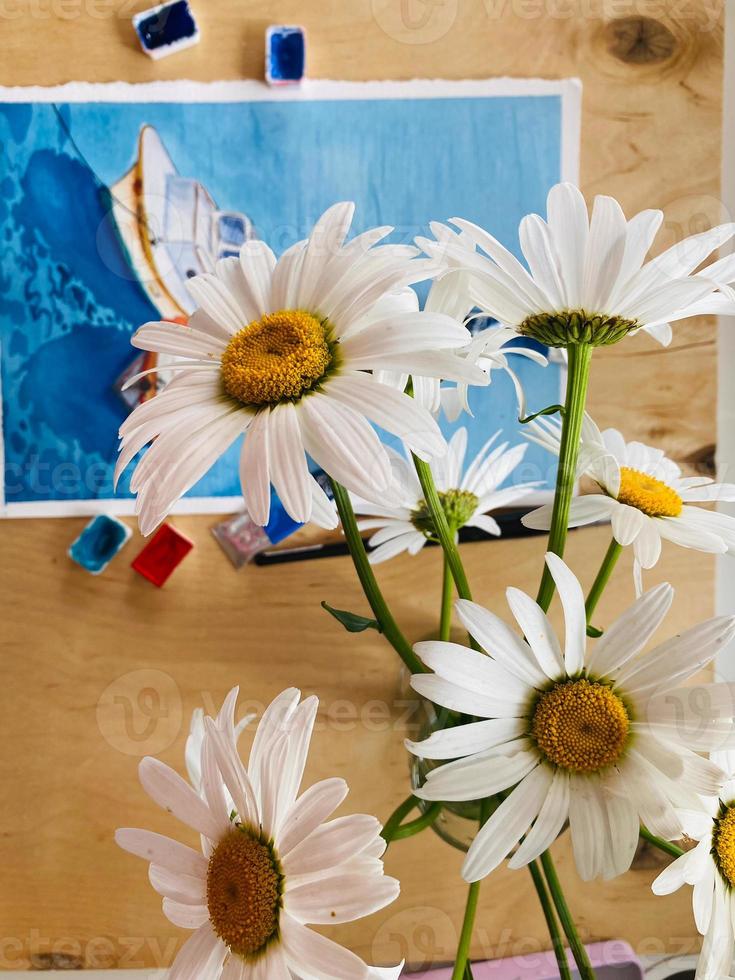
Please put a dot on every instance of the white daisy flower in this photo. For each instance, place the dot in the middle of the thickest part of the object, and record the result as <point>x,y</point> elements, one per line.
<point>587,278</point>
<point>710,868</point>
<point>268,871</point>
<point>281,350</point>
<point>591,737</point>
<point>643,494</point>
<point>402,520</point>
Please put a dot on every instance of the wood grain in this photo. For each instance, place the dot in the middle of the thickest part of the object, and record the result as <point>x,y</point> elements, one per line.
<point>97,672</point>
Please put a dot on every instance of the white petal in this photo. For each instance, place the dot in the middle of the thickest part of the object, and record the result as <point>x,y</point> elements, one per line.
<point>708,491</point>
<point>289,471</point>
<point>463,740</point>
<point>624,826</point>
<point>640,234</point>
<point>499,640</point>
<point>331,844</point>
<point>605,249</point>
<point>703,897</point>
<point>588,826</point>
<point>631,631</point>
<point>569,227</point>
<point>172,338</point>
<point>506,261</point>
<point>575,617</point>
<point>213,296</point>
<point>255,469</point>
<point>647,547</point>
<point>404,333</point>
<point>200,957</point>
<point>391,410</point>
<point>185,916</point>
<point>314,957</point>
<point>479,776</point>
<point>170,791</point>
<point>327,236</point>
<point>340,898</point>
<point>536,245</point>
<point>673,876</point>
<point>584,510</point>
<point>472,670</point>
<point>538,632</point>
<point>234,775</point>
<point>547,826</point>
<point>343,443</point>
<point>314,806</point>
<point>660,332</point>
<point>678,658</point>
<point>507,825</point>
<point>186,889</point>
<point>299,739</point>
<point>678,531</point>
<point>163,851</point>
<point>647,791</point>
<point>257,262</point>
<point>230,271</point>
<point>626,524</point>
<point>458,698</point>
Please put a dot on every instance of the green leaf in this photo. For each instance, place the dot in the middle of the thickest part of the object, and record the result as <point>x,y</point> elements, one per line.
<point>594,632</point>
<point>468,972</point>
<point>549,410</point>
<point>351,621</point>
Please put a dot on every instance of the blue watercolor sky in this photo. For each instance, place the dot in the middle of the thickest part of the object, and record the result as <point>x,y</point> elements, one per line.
<point>68,305</point>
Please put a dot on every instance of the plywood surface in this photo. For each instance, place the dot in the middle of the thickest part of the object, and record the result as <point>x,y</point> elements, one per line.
<point>97,672</point>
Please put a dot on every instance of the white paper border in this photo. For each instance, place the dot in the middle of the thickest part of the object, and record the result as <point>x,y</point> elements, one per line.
<point>251,90</point>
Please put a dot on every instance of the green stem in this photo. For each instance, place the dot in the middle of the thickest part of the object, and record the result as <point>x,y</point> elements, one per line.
<point>580,356</point>
<point>416,826</point>
<point>603,577</point>
<point>445,623</point>
<point>663,845</point>
<point>396,818</point>
<point>444,532</point>
<point>553,926</point>
<point>463,950</point>
<point>365,573</point>
<point>565,917</point>
<point>462,961</point>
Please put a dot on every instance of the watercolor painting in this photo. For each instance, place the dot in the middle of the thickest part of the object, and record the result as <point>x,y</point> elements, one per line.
<point>111,197</point>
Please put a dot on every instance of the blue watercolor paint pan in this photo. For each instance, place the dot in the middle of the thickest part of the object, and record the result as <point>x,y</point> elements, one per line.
<point>285,55</point>
<point>98,543</point>
<point>167,28</point>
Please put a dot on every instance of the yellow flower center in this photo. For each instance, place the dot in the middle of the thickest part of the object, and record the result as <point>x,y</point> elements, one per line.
<point>647,494</point>
<point>723,840</point>
<point>244,885</point>
<point>580,725</point>
<point>277,358</point>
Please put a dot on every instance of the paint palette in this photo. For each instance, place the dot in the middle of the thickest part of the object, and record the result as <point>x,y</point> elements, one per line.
<point>164,552</point>
<point>242,539</point>
<point>166,29</point>
<point>98,543</point>
<point>285,55</point>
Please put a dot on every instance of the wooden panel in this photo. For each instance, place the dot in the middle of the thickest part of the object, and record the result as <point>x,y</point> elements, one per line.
<point>79,651</point>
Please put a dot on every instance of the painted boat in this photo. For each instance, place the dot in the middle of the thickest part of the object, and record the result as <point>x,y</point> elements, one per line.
<point>170,229</point>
